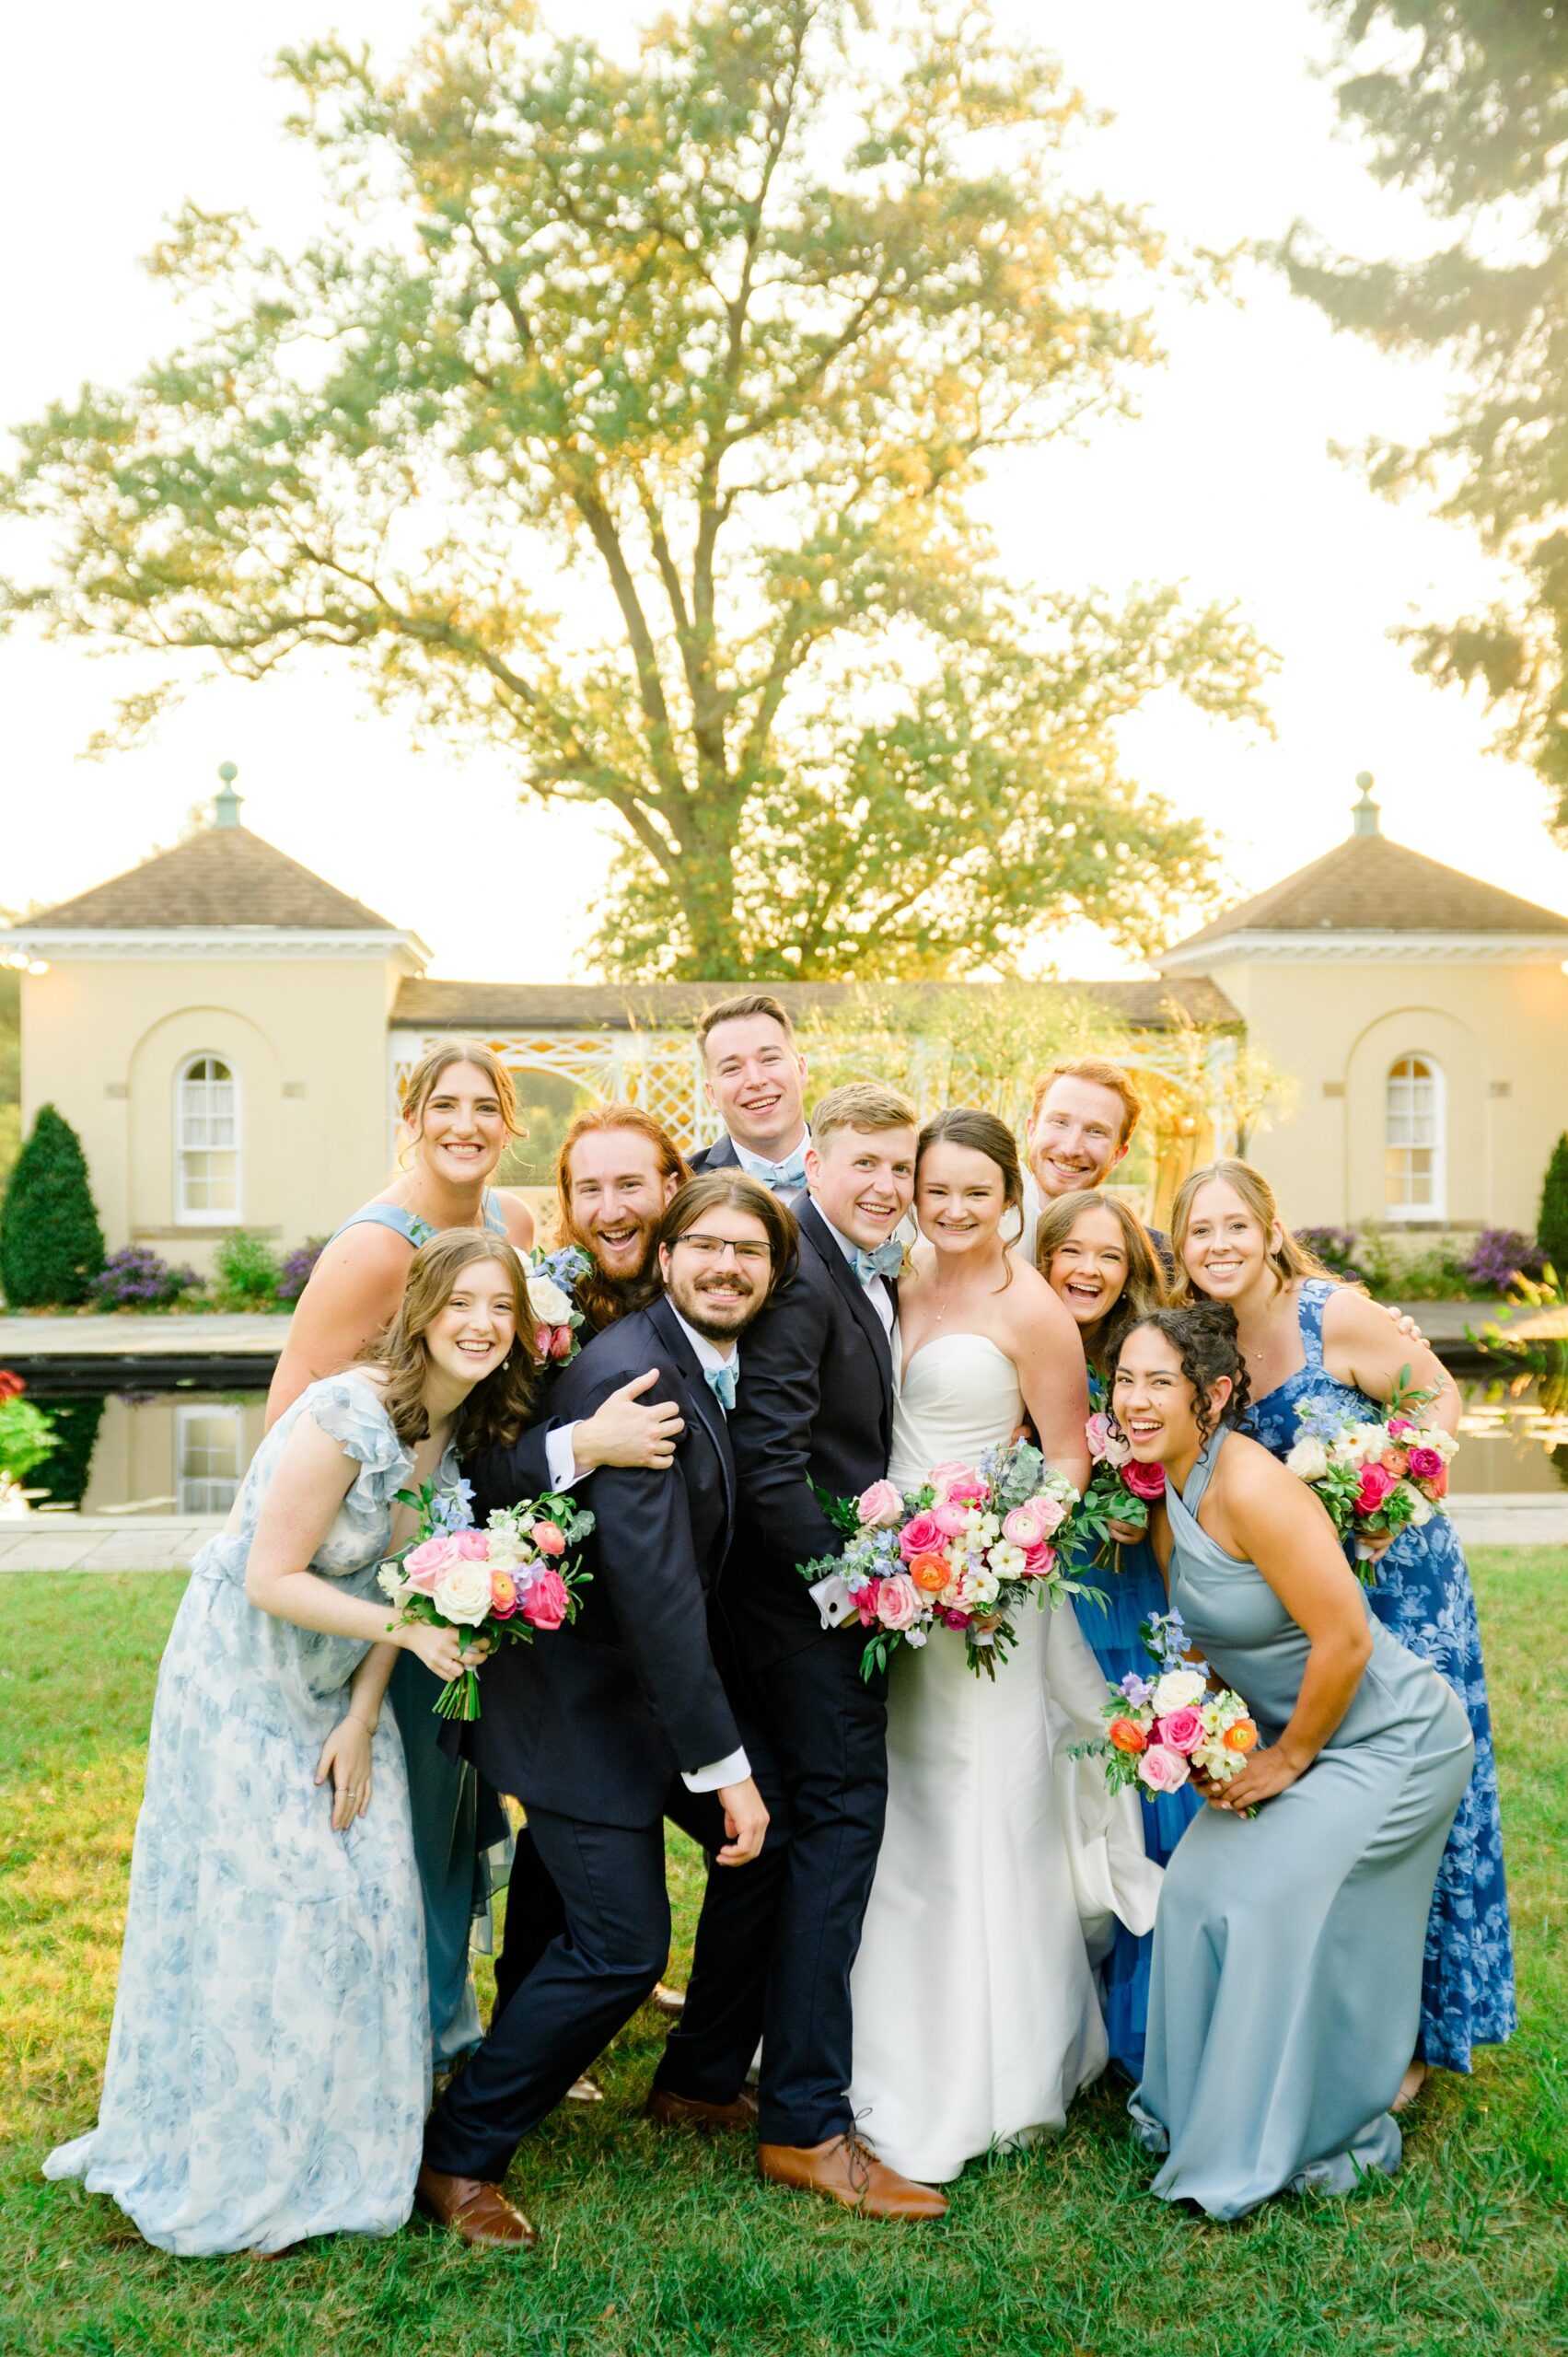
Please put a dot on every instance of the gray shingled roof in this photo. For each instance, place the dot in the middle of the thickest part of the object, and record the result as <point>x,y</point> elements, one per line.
<point>1369,885</point>
<point>1150,1004</point>
<point>225,876</point>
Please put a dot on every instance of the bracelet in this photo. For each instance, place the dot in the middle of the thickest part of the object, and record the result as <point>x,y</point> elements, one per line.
<point>369,1725</point>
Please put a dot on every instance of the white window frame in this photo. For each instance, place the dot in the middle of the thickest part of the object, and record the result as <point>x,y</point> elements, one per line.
<point>1437,1209</point>
<point>185,1214</point>
<point>192,1489</point>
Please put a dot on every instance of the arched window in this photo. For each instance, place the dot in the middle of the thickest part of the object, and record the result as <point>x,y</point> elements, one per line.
<point>1415,1181</point>
<point>206,1143</point>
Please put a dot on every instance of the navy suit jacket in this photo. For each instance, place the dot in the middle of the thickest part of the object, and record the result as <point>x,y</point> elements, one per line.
<point>594,1720</point>
<point>720,1156</point>
<point>816,1404</point>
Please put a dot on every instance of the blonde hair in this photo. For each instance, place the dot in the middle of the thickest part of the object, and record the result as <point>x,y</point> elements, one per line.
<point>420,1085</point>
<point>1103,1075</point>
<point>862,1105</point>
<point>1288,1260</point>
<point>1143,1288</point>
<point>502,1402</point>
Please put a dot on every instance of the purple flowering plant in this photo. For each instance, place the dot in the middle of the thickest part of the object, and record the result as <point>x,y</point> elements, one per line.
<point>136,1278</point>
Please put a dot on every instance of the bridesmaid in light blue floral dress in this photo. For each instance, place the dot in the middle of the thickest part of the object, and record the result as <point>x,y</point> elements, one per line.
<point>1100,1260</point>
<point>1421,1592</point>
<point>269,2065</point>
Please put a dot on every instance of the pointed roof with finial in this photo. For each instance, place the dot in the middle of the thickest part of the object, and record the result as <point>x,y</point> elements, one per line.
<point>219,879</point>
<point>1369,897</point>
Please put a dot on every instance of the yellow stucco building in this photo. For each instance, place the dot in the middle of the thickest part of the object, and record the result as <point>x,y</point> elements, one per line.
<point>224,1031</point>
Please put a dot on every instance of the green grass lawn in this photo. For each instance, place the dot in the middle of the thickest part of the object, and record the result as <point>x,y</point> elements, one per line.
<point>658,2248</point>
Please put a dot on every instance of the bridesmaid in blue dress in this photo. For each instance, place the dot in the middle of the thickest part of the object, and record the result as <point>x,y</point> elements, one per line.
<point>1311,1344</point>
<point>1101,1262</point>
<point>1286,1986</point>
<point>459,1112</point>
<point>268,2066</point>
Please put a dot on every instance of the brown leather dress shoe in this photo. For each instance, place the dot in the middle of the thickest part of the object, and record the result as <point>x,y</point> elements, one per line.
<point>690,2111</point>
<point>665,2000</point>
<point>846,2169</point>
<point>480,2212</point>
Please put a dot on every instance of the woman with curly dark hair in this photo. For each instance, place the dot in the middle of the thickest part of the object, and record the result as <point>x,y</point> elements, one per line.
<point>1287,1980</point>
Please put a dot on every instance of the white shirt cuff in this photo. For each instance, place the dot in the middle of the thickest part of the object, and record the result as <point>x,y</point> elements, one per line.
<point>733,1771</point>
<point>561,1457</point>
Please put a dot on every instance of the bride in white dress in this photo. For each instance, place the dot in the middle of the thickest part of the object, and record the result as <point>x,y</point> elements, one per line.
<point>976,2015</point>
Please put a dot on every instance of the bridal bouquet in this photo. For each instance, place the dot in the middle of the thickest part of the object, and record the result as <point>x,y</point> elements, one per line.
<point>506,1581</point>
<point>1158,1729</point>
<point>1375,1479</point>
<point>966,1550</point>
<point>552,1280</point>
<point>1121,1490</point>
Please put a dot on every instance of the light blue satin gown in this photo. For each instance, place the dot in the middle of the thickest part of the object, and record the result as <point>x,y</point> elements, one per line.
<point>1285,1996</point>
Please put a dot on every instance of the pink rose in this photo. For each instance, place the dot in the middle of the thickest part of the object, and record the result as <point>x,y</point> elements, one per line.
<point>430,1560</point>
<point>951,1520</point>
<point>548,1537</point>
<point>473,1546</point>
<point>1426,1464</point>
<point>959,1485</point>
<point>542,1341</point>
<point>1023,1527</point>
<point>898,1602</point>
<point>922,1535</point>
<point>866,1603</point>
<point>560,1344</point>
<point>1107,1444</point>
<point>880,1507</point>
<point>1038,1560</point>
<point>1163,1770</point>
<point>1375,1487</point>
<point>1399,1425</point>
<point>1145,1481</point>
<point>1182,1730</point>
<point>547,1601</point>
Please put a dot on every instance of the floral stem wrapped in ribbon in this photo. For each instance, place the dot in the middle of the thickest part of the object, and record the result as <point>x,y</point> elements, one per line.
<point>511,1580</point>
<point>1375,1479</point>
<point>1121,1491</point>
<point>964,1551</point>
<point>1159,1729</point>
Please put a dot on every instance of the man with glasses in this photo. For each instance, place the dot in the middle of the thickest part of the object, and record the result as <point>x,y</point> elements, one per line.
<point>624,1717</point>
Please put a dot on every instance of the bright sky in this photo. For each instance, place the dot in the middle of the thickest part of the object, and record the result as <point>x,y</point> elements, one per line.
<point>1224,483</point>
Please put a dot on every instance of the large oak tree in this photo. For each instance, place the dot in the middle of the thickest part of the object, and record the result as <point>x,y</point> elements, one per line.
<point>626,416</point>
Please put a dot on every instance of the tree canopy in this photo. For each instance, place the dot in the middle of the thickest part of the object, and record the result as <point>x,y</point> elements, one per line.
<point>1466,102</point>
<point>626,416</point>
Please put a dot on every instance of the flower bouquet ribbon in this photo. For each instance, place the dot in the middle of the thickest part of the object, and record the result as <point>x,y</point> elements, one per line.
<point>965,1550</point>
<point>512,1580</point>
<point>1375,1479</point>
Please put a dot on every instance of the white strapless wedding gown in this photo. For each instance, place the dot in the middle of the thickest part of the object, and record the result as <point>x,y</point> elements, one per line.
<point>976,2015</point>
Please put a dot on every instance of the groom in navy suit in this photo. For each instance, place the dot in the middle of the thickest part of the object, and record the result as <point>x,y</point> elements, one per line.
<point>621,1718</point>
<point>815,1410</point>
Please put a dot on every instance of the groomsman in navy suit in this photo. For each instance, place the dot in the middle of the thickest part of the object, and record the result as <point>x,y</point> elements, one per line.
<point>815,1410</point>
<point>755,1077</point>
<point>623,1717</point>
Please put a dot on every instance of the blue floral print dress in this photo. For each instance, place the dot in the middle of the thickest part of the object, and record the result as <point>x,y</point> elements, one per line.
<point>1423,1593</point>
<point>269,2064</point>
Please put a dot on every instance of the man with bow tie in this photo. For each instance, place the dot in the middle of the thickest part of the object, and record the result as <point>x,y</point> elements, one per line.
<point>814,1412</point>
<point>628,1714</point>
<point>755,1079</point>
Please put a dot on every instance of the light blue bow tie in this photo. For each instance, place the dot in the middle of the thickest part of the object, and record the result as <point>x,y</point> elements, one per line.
<point>784,1177</point>
<point>885,1261</point>
<point>721,1381</point>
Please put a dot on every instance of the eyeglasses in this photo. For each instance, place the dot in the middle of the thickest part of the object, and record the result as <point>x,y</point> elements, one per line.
<point>714,1247</point>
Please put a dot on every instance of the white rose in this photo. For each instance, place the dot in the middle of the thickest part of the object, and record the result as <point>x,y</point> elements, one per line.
<point>1308,1460</point>
<point>550,1306</point>
<point>1179,1689</point>
<point>1007,1560</point>
<point>463,1594</point>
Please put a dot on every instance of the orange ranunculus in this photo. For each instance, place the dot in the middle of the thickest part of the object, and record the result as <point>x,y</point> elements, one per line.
<point>1395,1461</point>
<point>1241,1735</point>
<point>1126,1737</point>
<point>1438,1483</point>
<point>930,1573</point>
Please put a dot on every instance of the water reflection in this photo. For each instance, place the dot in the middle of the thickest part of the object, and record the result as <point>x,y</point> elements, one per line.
<point>185,1451</point>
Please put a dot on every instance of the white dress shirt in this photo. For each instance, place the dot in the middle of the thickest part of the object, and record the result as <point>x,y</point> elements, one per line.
<point>876,1288</point>
<point>736,1766</point>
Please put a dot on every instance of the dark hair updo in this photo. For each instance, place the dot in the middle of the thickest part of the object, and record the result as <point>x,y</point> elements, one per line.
<point>1204,1337</point>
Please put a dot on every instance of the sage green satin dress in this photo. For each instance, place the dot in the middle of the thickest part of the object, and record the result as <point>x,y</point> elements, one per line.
<point>1285,1993</point>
